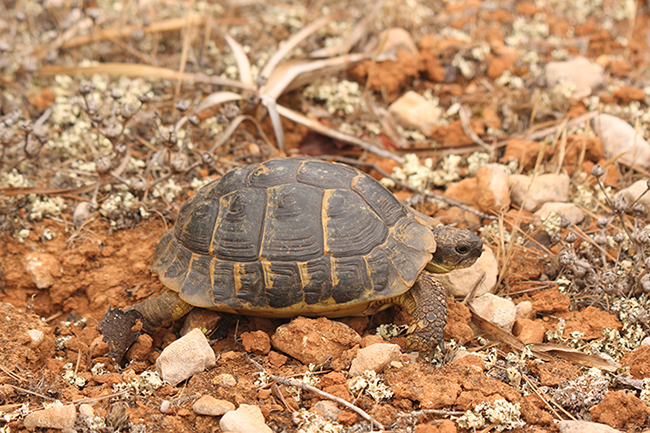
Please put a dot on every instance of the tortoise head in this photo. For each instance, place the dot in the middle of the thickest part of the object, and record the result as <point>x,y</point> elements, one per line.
<point>456,248</point>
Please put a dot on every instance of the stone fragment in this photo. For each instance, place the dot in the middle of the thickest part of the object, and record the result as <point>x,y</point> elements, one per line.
<point>329,409</point>
<point>208,405</point>
<point>226,380</point>
<point>568,210</point>
<point>312,341</point>
<point>58,417</point>
<point>525,310</point>
<point>369,340</point>
<point>394,40</point>
<point>185,357</point>
<point>246,419</point>
<point>493,184</point>
<point>37,336</point>
<point>584,427</point>
<point>257,342</point>
<point>528,331</point>
<point>634,191</point>
<point>42,268</point>
<point>413,111</point>
<point>531,193</point>
<point>460,282</point>
<point>620,138</point>
<point>374,357</point>
<point>495,309</point>
<point>619,409</point>
<point>86,410</point>
<point>581,72</point>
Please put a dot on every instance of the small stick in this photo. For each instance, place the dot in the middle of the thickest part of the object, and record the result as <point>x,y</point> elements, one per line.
<point>309,388</point>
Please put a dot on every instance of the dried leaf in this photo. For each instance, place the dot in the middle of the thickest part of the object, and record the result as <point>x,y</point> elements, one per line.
<point>243,65</point>
<point>575,356</point>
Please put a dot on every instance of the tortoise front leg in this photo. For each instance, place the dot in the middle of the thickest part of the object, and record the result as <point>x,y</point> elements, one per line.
<point>427,304</point>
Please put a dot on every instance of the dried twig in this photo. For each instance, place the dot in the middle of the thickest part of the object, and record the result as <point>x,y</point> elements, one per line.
<point>295,383</point>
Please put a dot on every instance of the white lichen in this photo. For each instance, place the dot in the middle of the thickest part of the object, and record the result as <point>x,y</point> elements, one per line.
<point>372,385</point>
<point>503,414</point>
<point>312,422</point>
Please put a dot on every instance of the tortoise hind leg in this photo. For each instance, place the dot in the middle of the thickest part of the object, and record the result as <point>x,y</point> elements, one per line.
<point>120,328</point>
<point>427,304</point>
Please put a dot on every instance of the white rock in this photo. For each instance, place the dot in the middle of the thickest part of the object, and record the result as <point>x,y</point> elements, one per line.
<point>494,186</point>
<point>208,405</point>
<point>40,267</point>
<point>524,310</point>
<point>460,282</point>
<point>86,410</point>
<point>500,311</point>
<point>584,427</point>
<point>619,137</point>
<point>246,419</point>
<point>412,110</point>
<point>632,192</point>
<point>531,193</point>
<point>59,417</point>
<point>374,357</point>
<point>226,380</point>
<point>185,357</point>
<point>585,74</point>
<point>37,336</point>
<point>396,39</point>
<point>645,341</point>
<point>568,210</point>
<point>329,409</point>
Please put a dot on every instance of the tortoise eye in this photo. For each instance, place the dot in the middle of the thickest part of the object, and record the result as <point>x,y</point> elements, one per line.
<point>462,249</point>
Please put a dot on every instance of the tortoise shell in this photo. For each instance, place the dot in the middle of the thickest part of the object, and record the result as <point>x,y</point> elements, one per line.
<point>293,236</point>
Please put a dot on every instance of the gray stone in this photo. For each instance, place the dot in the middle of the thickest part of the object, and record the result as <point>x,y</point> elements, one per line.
<point>374,357</point>
<point>620,138</point>
<point>531,193</point>
<point>208,405</point>
<point>413,111</point>
<point>59,417</point>
<point>568,210</point>
<point>524,310</point>
<point>246,419</point>
<point>584,427</point>
<point>500,311</point>
<point>460,282</point>
<point>634,191</point>
<point>583,73</point>
<point>329,409</point>
<point>41,267</point>
<point>86,410</point>
<point>185,357</point>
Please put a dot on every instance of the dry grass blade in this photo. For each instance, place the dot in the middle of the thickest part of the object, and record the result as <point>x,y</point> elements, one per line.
<point>358,32</point>
<point>290,44</point>
<point>575,356</point>
<point>284,75</point>
<point>232,127</point>
<point>144,71</point>
<point>243,65</point>
<point>272,108</point>
<point>217,98</point>
<point>322,129</point>
<point>389,125</point>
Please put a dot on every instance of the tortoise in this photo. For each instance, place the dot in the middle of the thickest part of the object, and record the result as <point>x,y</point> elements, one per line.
<point>302,236</point>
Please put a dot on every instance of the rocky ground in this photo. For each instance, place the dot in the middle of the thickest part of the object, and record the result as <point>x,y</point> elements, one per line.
<point>522,121</point>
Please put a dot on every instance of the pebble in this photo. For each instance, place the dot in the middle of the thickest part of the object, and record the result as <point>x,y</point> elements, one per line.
<point>493,183</point>
<point>313,341</point>
<point>460,282</point>
<point>500,311</point>
<point>226,380</point>
<point>414,111</point>
<point>531,193</point>
<point>374,357</point>
<point>568,210</point>
<point>620,138</point>
<point>257,342</point>
<point>585,74</point>
<point>208,405</point>
<point>524,310</point>
<point>37,336</point>
<point>632,192</point>
<point>185,357</point>
<point>86,410</point>
<point>58,417</point>
<point>246,419</point>
<point>584,427</point>
<point>41,267</point>
<point>396,39</point>
<point>528,331</point>
<point>329,409</point>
